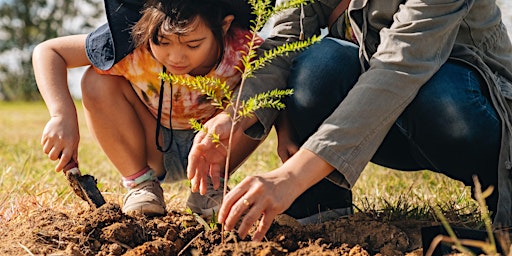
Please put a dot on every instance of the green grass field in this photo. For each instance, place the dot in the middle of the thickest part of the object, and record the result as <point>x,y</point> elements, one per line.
<point>28,181</point>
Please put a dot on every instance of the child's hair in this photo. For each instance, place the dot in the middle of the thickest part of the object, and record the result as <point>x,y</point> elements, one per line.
<point>176,17</point>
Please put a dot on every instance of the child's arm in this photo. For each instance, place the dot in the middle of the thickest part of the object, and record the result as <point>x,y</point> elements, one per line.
<point>50,61</point>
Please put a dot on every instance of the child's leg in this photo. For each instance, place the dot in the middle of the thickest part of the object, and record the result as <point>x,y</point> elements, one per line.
<point>121,123</point>
<point>125,130</point>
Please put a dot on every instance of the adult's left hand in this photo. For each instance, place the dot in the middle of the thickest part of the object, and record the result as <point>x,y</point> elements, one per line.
<point>262,197</point>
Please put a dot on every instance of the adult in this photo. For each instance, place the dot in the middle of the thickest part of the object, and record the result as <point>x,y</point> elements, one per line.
<point>413,85</point>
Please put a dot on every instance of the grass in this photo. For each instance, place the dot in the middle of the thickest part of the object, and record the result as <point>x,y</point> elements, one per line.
<point>28,181</point>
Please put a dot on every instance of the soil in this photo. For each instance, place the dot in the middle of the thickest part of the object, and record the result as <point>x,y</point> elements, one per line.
<point>107,231</point>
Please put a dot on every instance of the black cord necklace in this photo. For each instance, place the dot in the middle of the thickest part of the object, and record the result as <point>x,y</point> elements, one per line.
<point>159,116</point>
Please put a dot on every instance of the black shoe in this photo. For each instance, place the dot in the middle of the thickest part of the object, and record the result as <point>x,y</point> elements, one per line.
<point>322,202</point>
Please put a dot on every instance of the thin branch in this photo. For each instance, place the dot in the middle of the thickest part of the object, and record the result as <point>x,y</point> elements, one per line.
<point>189,243</point>
<point>26,249</point>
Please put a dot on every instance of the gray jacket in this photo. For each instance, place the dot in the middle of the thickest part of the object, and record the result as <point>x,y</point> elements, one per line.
<point>470,31</point>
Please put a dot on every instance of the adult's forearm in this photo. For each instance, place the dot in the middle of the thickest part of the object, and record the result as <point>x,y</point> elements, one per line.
<point>305,169</point>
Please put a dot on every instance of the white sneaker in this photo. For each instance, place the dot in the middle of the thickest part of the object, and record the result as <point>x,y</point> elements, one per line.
<point>147,197</point>
<point>206,205</point>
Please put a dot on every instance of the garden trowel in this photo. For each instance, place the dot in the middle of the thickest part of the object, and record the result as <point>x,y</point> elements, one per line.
<point>84,186</point>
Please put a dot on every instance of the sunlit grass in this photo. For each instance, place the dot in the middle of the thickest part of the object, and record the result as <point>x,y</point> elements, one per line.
<point>414,194</point>
<point>28,179</point>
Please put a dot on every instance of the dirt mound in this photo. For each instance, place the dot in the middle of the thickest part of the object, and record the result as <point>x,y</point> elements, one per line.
<point>107,231</point>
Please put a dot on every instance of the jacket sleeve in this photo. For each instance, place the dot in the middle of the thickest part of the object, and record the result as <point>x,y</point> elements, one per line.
<point>286,28</point>
<point>416,38</point>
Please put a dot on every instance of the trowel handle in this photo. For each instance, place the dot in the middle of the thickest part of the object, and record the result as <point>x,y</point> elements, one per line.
<point>72,167</point>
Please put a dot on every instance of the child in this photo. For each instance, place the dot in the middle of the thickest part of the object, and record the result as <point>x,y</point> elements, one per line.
<point>127,103</point>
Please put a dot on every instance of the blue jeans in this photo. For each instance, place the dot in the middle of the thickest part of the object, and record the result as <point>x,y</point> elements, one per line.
<point>450,127</point>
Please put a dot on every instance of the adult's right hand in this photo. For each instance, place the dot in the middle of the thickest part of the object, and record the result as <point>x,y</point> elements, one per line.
<point>60,140</point>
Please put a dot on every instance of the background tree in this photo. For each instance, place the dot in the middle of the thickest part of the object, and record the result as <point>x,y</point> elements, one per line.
<point>24,24</point>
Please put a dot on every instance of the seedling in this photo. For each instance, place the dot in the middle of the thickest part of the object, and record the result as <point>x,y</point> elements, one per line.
<point>223,97</point>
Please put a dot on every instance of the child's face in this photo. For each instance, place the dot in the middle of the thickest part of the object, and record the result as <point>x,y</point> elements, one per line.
<point>195,53</point>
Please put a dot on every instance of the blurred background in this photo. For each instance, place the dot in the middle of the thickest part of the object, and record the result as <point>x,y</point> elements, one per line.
<point>25,23</point>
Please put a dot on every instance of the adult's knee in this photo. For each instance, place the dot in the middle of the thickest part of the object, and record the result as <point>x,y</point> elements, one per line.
<point>453,103</point>
<point>324,73</point>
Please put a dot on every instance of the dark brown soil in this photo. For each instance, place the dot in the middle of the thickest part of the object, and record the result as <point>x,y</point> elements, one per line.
<point>107,231</point>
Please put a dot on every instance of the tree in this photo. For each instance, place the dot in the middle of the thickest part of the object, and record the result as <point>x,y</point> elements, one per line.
<point>24,24</point>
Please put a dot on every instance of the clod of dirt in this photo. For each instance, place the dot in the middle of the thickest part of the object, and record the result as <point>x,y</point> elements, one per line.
<point>250,248</point>
<point>154,248</point>
<point>373,235</point>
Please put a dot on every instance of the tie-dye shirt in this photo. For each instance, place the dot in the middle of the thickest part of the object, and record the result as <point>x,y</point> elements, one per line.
<point>142,70</point>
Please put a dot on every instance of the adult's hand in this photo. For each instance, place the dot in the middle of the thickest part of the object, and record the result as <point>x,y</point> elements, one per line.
<point>262,197</point>
<point>60,140</point>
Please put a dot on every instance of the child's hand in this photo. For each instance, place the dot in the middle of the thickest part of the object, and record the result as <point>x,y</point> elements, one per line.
<point>208,158</point>
<point>60,140</point>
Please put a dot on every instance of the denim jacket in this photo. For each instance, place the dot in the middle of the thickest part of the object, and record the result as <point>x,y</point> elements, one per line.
<point>404,43</point>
